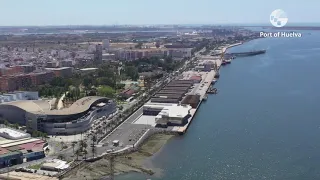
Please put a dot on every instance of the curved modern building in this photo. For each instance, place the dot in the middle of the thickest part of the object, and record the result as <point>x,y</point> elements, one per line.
<point>36,114</point>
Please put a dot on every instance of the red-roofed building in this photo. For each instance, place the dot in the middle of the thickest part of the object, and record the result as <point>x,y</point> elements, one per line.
<point>196,79</point>
<point>127,93</point>
<point>33,145</point>
<point>3,151</point>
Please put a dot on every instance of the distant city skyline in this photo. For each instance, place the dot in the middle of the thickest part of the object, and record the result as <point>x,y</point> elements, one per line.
<point>144,12</point>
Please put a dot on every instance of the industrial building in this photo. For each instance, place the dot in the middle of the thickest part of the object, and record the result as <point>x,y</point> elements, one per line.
<point>196,79</point>
<point>165,100</point>
<point>17,147</point>
<point>178,85</point>
<point>168,114</point>
<point>204,67</point>
<point>169,96</point>
<point>154,108</point>
<point>182,89</point>
<point>165,93</point>
<point>173,91</point>
<point>190,82</point>
<point>192,100</point>
<point>173,116</point>
<point>36,114</point>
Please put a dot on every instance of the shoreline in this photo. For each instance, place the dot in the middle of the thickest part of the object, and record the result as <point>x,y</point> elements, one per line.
<point>139,161</point>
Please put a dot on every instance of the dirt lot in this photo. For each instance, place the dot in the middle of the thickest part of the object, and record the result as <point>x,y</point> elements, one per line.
<point>134,162</point>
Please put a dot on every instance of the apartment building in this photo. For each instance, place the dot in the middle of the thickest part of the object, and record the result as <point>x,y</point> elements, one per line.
<point>133,54</point>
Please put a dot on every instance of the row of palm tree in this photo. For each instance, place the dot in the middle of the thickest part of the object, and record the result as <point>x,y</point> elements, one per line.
<point>108,127</point>
<point>81,150</point>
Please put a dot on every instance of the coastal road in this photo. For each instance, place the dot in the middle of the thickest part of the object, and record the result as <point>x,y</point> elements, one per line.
<point>127,133</point>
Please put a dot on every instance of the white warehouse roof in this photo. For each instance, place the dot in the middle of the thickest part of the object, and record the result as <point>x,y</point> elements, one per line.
<point>176,111</point>
<point>12,133</point>
<point>158,105</point>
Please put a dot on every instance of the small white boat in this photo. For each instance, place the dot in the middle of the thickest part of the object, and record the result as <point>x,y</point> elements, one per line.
<point>205,97</point>
<point>228,61</point>
<point>213,81</point>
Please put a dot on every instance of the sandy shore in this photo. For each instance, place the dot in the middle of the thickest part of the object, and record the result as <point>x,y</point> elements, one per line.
<point>134,162</point>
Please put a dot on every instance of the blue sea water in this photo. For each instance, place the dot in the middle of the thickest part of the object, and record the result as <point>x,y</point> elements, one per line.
<point>264,124</point>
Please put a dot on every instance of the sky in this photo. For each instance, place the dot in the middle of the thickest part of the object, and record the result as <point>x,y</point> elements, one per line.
<point>140,12</point>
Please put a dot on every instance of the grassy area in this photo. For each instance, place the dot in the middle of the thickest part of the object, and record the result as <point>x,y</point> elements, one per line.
<point>36,166</point>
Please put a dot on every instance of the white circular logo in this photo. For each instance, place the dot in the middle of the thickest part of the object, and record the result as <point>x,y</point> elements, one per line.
<point>278,18</point>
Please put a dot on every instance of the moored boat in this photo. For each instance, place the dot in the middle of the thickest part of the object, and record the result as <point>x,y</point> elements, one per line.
<point>213,81</point>
<point>205,97</point>
<point>228,61</point>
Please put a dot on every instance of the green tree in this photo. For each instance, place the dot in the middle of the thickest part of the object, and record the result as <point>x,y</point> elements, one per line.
<point>106,81</point>
<point>93,150</point>
<point>16,126</point>
<point>94,139</point>
<point>83,145</point>
<point>139,45</point>
<point>87,82</point>
<point>131,72</point>
<point>106,91</point>
<point>85,152</point>
<point>45,136</point>
<point>62,144</point>
<point>61,157</point>
<point>78,153</point>
<point>93,147</point>
<point>73,146</point>
<point>120,86</point>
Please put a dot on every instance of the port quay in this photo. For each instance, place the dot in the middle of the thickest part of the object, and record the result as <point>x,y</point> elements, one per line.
<point>137,122</point>
<point>207,79</point>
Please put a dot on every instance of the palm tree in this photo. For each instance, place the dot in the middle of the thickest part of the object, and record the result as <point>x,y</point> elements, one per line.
<point>62,144</point>
<point>73,145</point>
<point>61,157</point>
<point>84,145</point>
<point>85,152</point>
<point>93,150</point>
<point>78,152</point>
<point>45,135</point>
<point>94,139</point>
